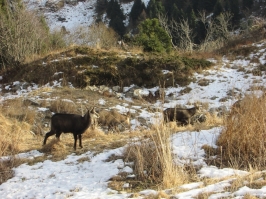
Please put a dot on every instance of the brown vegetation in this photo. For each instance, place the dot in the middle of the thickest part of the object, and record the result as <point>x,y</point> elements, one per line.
<point>154,161</point>
<point>113,118</point>
<point>243,138</point>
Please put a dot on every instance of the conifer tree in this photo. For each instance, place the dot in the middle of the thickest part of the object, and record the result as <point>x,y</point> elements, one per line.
<point>235,10</point>
<point>136,10</point>
<point>207,5</point>
<point>218,8</point>
<point>153,37</point>
<point>155,8</point>
<point>118,25</point>
<point>247,4</point>
<point>116,16</point>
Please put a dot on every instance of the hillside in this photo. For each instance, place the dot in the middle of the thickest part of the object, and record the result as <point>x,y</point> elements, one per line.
<point>73,14</point>
<point>106,167</point>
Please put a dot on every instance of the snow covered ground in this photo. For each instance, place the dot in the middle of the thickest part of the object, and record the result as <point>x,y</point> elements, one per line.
<point>80,15</point>
<point>70,178</point>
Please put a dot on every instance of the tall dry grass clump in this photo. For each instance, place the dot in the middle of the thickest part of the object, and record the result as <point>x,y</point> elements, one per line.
<point>16,120</point>
<point>153,159</point>
<point>13,133</point>
<point>242,142</point>
<point>63,106</point>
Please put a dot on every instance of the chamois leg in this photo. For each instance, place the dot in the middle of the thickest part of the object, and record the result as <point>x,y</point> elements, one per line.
<point>58,135</point>
<point>80,141</point>
<point>50,133</point>
<point>75,140</point>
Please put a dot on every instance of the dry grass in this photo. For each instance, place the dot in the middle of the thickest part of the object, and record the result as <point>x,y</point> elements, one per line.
<point>13,134</point>
<point>243,138</point>
<point>6,166</point>
<point>56,148</point>
<point>18,109</point>
<point>153,159</point>
<point>63,106</point>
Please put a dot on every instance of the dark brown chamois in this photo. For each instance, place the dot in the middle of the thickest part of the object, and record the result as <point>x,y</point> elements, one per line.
<point>71,123</point>
<point>182,115</point>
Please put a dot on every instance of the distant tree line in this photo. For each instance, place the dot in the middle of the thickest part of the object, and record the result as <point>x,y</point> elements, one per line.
<point>159,26</point>
<point>177,14</point>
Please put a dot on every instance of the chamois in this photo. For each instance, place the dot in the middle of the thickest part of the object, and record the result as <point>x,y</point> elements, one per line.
<point>71,123</point>
<point>182,115</point>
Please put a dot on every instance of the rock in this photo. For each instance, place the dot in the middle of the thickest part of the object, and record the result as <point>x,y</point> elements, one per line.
<point>116,88</point>
<point>72,2</point>
<point>92,88</point>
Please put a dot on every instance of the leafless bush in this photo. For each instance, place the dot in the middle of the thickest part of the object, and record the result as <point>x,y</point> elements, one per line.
<point>21,34</point>
<point>217,32</point>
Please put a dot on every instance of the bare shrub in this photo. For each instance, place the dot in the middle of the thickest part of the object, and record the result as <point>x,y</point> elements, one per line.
<point>154,161</point>
<point>243,138</point>
<point>219,26</point>
<point>22,34</point>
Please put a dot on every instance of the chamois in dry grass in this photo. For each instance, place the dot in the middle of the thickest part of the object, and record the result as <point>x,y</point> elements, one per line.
<point>71,123</point>
<point>182,115</point>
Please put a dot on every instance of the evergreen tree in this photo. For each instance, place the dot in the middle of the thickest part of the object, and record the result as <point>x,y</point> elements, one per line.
<point>136,10</point>
<point>207,5</point>
<point>168,6</point>
<point>153,37</point>
<point>116,16</point>
<point>155,8</point>
<point>200,32</point>
<point>101,6</point>
<point>118,25</point>
<point>180,4</point>
<point>194,4</point>
<point>218,8</point>
<point>113,10</point>
<point>191,16</point>
<point>227,5</point>
<point>234,9</point>
<point>247,4</point>
<point>176,14</point>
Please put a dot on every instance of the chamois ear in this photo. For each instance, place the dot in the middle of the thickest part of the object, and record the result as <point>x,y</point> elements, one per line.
<point>93,111</point>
